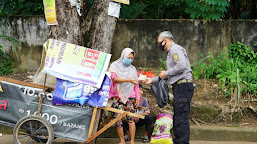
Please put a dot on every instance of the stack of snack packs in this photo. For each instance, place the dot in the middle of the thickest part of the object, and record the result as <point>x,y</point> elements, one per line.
<point>161,133</point>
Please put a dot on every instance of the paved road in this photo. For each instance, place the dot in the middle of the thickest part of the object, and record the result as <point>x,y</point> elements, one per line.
<point>116,141</point>
<point>8,139</point>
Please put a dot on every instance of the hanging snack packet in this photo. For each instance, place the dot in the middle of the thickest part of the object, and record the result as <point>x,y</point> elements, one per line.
<point>161,133</point>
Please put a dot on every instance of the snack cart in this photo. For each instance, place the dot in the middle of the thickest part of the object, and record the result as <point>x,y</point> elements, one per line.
<point>28,108</point>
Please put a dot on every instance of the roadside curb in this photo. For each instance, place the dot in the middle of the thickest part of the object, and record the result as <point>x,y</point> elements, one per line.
<point>223,133</point>
<point>206,133</point>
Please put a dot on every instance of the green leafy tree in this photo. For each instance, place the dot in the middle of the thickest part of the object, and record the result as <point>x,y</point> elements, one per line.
<point>207,9</point>
<point>133,10</point>
<point>148,9</point>
<point>243,9</point>
<point>159,9</point>
<point>21,7</point>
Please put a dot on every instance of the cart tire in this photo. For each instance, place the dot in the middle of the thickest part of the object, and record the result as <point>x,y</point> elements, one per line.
<point>33,120</point>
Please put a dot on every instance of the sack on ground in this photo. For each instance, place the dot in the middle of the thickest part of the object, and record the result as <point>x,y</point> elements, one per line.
<point>161,133</point>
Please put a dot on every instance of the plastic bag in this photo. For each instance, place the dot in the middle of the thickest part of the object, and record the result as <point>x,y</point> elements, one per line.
<point>161,91</point>
<point>161,133</point>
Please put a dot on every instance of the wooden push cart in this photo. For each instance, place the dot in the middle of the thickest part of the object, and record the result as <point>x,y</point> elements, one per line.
<point>40,130</point>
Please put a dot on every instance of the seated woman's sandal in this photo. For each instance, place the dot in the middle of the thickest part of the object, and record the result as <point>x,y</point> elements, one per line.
<point>146,139</point>
<point>126,138</point>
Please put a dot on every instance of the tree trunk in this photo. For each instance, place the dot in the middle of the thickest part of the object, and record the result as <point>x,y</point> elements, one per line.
<point>254,9</point>
<point>98,28</point>
<point>97,32</point>
<point>68,28</point>
<point>235,9</point>
<point>93,29</point>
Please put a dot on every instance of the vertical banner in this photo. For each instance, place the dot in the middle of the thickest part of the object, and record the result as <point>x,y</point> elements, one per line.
<point>75,63</point>
<point>122,1</point>
<point>50,12</point>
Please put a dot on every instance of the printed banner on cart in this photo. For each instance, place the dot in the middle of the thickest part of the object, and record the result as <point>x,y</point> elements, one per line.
<point>67,92</point>
<point>75,63</point>
<point>69,121</point>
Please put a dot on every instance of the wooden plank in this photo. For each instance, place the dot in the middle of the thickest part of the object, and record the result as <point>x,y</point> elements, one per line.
<point>39,104</point>
<point>92,122</point>
<point>22,83</point>
<point>41,98</point>
<point>96,123</point>
<point>106,121</point>
<point>105,128</point>
<point>142,108</point>
<point>121,111</point>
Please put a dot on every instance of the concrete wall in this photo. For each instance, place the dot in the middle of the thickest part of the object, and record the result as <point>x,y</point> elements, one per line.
<point>197,36</point>
<point>32,33</point>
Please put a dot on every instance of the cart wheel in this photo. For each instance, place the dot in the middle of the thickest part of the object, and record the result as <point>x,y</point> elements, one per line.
<point>33,129</point>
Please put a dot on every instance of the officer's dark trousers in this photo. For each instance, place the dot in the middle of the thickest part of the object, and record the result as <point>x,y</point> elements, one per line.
<point>182,97</point>
<point>147,122</point>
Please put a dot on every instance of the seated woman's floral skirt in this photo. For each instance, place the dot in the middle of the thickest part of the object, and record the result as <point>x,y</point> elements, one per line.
<point>129,106</point>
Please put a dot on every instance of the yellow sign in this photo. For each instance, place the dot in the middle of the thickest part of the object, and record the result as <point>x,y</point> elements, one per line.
<point>50,12</point>
<point>122,1</point>
<point>1,90</point>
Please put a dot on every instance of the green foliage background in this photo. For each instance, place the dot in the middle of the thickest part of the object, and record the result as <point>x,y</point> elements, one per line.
<point>170,9</point>
<point>21,7</point>
<point>234,68</point>
<point>6,62</point>
<point>140,9</point>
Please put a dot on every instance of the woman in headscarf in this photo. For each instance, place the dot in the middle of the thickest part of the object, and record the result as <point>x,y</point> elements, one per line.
<point>125,90</point>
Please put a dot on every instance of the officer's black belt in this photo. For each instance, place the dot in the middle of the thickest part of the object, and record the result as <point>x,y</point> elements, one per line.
<point>182,81</point>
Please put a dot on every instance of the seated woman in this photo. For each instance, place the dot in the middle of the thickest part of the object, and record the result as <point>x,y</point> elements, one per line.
<point>124,90</point>
<point>140,122</point>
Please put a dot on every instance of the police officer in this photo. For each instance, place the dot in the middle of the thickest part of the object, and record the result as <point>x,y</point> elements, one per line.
<point>179,75</point>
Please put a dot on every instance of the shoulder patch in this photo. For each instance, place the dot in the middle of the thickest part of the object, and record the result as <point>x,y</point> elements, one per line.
<point>175,56</point>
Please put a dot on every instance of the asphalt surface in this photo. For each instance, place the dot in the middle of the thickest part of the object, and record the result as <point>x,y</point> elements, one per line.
<point>138,141</point>
<point>8,139</point>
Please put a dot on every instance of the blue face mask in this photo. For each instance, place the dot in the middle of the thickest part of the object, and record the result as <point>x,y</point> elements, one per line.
<point>127,61</point>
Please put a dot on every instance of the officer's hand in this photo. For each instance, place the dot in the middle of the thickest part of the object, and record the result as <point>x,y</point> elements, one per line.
<point>147,81</point>
<point>163,74</point>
